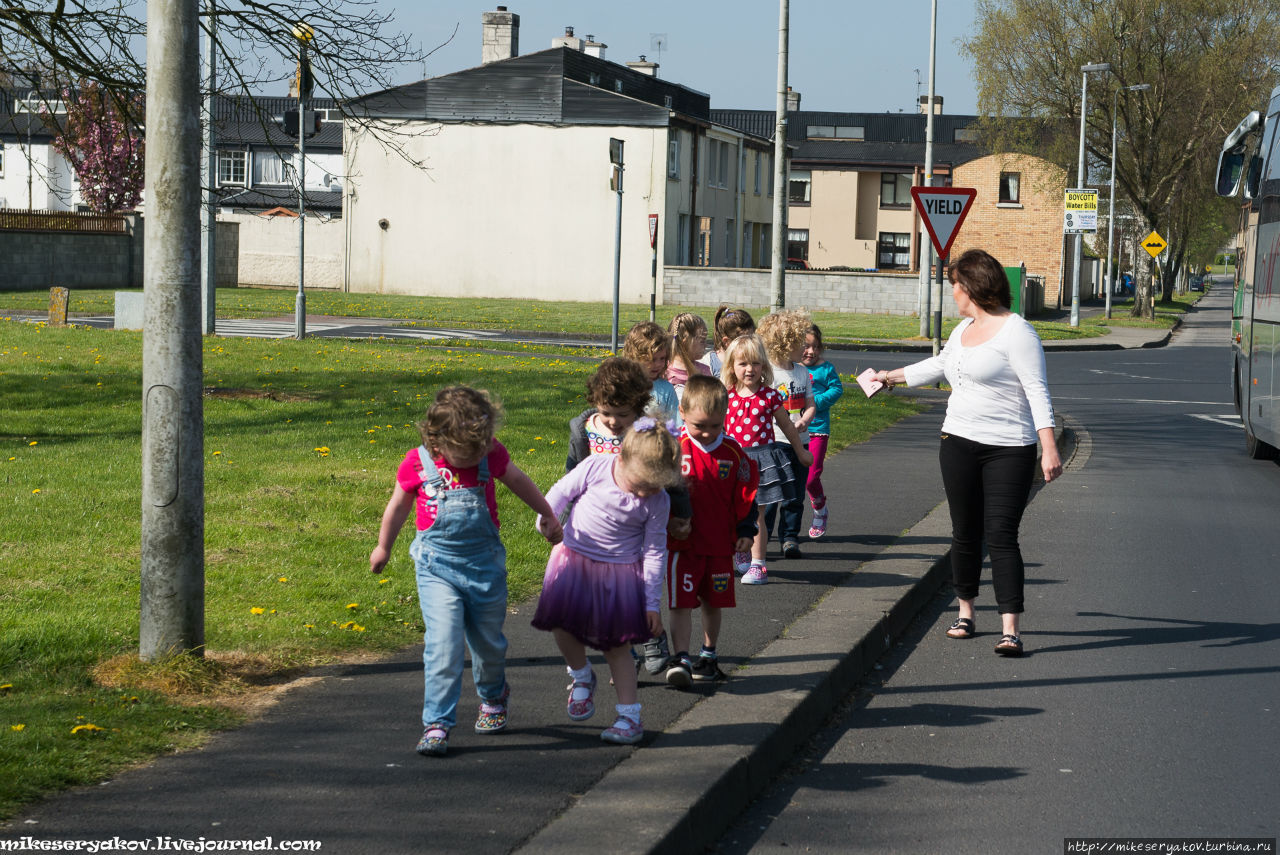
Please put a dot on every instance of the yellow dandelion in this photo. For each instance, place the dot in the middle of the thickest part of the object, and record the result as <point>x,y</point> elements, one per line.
<point>17,728</point>
<point>256,610</point>
<point>87,727</point>
<point>216,453</point>
<point>353,605</point>
<point>357,627</point>
<point>6,687</point>
<point>33,442</point>
<point>383,581</point>
<point>308,626</point>
<point>36,490</point>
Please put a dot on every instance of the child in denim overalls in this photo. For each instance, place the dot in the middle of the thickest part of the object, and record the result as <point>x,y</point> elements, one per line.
<point>459,558</point>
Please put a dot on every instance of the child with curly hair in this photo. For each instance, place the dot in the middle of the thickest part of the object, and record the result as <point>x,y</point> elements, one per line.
<point>648,344</point>
<point>784,337</point>
<point>459,559</point>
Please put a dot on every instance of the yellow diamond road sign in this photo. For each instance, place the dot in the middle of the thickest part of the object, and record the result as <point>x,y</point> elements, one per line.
<point>1154,244</point>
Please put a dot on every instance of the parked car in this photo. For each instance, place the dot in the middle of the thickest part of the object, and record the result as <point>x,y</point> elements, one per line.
<point>797,264</point>
<point>1197,283</point>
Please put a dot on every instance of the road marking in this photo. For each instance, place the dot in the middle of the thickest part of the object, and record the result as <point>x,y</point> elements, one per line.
<point>1140,401</point>
<point>1232,420</point>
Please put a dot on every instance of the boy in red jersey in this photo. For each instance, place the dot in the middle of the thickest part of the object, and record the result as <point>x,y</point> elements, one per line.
<point>722,482</point>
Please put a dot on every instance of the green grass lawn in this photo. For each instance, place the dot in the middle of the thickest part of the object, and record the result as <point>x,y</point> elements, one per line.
<point>301,444</point>
<point>526,315</point>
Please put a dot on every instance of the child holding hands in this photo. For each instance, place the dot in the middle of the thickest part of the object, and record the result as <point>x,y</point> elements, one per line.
<point>755,408</point>
<point>722,488</point>
<point>603,584</point>
<point>458,557</point>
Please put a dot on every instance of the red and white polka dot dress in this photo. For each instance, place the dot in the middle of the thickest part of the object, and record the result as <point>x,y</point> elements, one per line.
<point>750,417</point>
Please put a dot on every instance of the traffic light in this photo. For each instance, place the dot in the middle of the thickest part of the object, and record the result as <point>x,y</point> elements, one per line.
<point>311,123</point>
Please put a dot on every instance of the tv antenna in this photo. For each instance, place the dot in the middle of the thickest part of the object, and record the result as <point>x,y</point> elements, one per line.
<point>916,105</point>
<point>658,43</point>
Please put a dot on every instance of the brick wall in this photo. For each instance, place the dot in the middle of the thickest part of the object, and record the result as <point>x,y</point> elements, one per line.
<point>1029,232</point>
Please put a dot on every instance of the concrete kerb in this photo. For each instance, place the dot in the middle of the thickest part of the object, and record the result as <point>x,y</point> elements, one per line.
<point>681,793</point>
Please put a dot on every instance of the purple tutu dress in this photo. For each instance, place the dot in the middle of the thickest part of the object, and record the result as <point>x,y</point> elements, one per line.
<point>608,571</point>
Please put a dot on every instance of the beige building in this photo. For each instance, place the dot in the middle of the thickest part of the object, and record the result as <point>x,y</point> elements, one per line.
<point>503,184</point>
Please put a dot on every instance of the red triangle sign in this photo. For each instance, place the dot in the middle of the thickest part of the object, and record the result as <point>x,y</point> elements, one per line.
<point>943,209</point>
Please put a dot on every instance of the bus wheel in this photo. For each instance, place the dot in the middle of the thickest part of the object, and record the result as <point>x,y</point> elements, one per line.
<point>1256,448</point>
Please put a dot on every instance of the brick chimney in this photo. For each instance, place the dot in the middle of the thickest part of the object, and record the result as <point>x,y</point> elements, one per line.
<point>793,100</point>
<point>644,66</point>
<point>499,35</point>
<point>937,105</point>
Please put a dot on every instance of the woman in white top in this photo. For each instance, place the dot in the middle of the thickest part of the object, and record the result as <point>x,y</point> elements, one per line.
<point>999,407</point>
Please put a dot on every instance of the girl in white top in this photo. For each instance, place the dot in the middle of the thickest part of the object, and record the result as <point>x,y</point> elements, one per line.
<point>999,407</point>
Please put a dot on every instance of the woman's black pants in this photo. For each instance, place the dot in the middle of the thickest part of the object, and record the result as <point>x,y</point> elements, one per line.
<point>987,489</point>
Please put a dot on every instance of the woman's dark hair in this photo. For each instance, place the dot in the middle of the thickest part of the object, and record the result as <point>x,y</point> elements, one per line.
<point>982,278</point>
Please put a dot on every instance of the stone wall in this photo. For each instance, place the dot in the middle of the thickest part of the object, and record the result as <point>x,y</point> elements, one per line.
<point>817,291</point>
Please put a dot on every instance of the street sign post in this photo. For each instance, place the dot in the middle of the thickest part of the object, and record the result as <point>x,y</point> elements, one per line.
<point>942,209</point>
<point>1154,244</point>
<point>1080,211</point>
<point>653,245</point>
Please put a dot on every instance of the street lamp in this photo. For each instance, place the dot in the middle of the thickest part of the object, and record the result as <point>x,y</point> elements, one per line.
<point>1111,215</point>
<point>304,34</point>
<point>1080,178</point>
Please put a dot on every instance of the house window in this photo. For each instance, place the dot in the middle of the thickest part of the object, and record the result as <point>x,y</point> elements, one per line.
<point>231,167</point>
<point>713,162</point>
<point>682,240</point>
<point>673,155</point>
<point>766,245</point>
<point>822,132</point>
<point>593,78</point>
<point>850,132</point>
<point>724,164</point>
<point>704,242</point>
<point>746,244</point>
<point>1,160</point>
<point>729,237</point>
<point>666,101</point>
<point>798,188</point>
<point>772,172</point>
<point>966,135</point>
<point>1010,187</point>
<point>758,159</point>
<point>895,190</point>
<point>271,168</point>
<point>617,84</point>
<point>798,244</point>
<point>894,251</point>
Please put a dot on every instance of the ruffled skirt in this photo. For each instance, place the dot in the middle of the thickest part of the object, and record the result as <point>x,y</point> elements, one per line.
<point>777,480</point>
<point>600,603</point>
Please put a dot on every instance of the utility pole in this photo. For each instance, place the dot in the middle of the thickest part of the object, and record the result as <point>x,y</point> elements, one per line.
<point>777,277</point>
<point>303,34</point>
<point>208,212</point>
<point>1081,181</point>
<point>172,573</point>
<point>928,158</point>
<point>926,247</point>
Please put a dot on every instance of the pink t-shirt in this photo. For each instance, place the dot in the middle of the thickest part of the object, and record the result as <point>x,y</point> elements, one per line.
<point>750,417</point>
<point>409,477</point>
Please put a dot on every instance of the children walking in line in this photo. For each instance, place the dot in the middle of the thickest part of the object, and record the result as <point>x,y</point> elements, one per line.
<point>648,344</point>
<point>784,337</point>
<point>729,324</point>
<point>722,483</point>
<point>458,557</point>
<point>603,584</point>
<point>827,389</point>
<point>755,408</point>
<point>688,344</point>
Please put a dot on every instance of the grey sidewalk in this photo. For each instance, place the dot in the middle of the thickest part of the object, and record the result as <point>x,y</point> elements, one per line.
<point>334,760</point>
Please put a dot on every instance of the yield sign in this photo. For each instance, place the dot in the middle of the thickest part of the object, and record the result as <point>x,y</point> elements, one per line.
<point>943,209</point>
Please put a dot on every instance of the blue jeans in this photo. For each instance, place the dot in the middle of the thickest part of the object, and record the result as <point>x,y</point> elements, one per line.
<point>462,588</point>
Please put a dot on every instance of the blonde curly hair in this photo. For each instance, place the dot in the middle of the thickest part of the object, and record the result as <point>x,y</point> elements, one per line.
<point>783,332</point>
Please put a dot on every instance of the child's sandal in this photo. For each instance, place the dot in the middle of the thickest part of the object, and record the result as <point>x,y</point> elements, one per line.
<point>434,741</point>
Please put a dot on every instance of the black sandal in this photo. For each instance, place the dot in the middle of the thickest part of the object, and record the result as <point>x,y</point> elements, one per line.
<point>1010,645</point>
<point>962,628</point>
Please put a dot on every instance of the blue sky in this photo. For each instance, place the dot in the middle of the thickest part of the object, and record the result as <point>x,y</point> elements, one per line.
<point>846,55</point>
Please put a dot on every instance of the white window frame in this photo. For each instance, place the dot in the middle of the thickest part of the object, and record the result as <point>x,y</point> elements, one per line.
<point>800,176</point>
<point>759,158</point>
<point>673,155</point>
<point>231,156</point>
<point>1,160</point>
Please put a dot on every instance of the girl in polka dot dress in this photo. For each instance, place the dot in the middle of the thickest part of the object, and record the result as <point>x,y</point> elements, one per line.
<point>754,408</point>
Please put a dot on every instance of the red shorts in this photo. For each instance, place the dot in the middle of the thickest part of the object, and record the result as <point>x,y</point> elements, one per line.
<point>694,580</point>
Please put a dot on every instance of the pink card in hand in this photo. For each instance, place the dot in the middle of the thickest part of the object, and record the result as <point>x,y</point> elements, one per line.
<point>867,380</point>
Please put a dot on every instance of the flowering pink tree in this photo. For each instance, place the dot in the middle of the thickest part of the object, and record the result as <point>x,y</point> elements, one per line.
<point>105,150</point>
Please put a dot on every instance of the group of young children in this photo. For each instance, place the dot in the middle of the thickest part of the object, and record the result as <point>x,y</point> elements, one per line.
<point>676,474</point>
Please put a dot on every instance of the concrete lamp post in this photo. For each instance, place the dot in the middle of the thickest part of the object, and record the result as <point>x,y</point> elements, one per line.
<point>1081,180</point>
<point>1111,214</point>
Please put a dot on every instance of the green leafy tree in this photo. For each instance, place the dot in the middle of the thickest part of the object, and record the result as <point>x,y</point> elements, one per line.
<point>1208,62</point>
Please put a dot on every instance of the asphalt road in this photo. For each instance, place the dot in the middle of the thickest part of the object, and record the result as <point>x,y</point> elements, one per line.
<point>1147,703</point>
